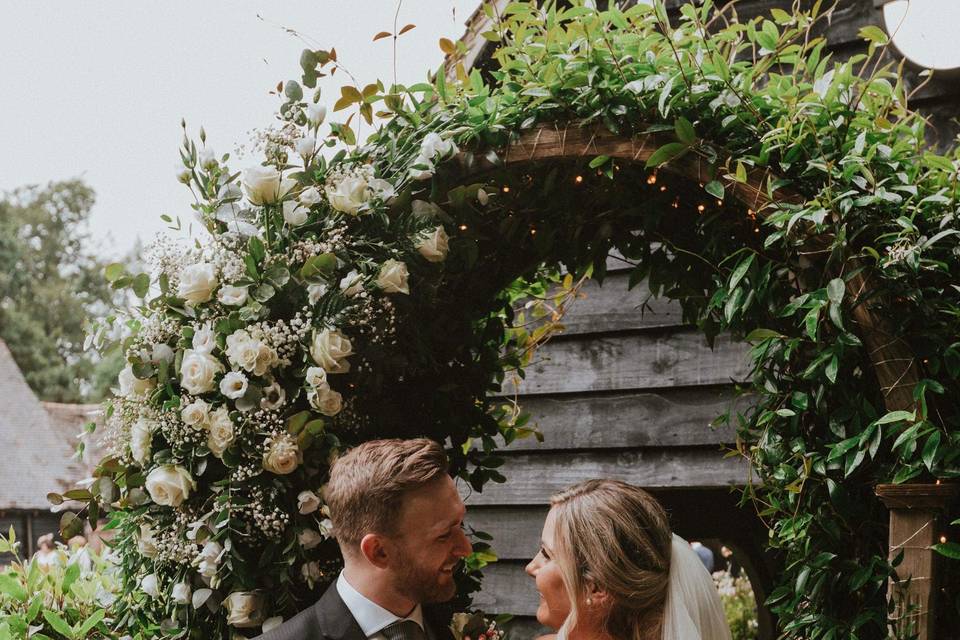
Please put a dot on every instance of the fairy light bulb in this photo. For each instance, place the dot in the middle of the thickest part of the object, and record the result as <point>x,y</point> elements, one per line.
<point>652,178</point>
<point>578,179</point>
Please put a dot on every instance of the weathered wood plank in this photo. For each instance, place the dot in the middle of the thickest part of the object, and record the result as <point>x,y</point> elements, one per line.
<point>507,589</point>
<point>533,478</point>
<point>667,418</point>
<point>647,361</point>
<point>614,307</point>
<point>695,514</point>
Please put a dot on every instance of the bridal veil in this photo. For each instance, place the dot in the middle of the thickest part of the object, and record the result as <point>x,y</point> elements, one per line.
<point>693,610</point>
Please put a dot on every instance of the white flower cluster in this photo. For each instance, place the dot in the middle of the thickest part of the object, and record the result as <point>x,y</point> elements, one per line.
<point>352,190</point>
<point>434,148</point>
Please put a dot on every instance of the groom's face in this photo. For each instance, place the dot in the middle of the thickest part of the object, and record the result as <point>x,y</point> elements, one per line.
<point>431,543</point>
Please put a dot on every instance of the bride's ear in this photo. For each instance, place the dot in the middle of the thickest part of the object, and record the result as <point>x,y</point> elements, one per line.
<point>595,596</point>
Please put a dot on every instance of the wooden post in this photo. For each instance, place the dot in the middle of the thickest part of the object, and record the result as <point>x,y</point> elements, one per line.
<point>914,509</point>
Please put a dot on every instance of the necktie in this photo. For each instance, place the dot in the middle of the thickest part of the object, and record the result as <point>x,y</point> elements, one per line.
<point>404,630</point>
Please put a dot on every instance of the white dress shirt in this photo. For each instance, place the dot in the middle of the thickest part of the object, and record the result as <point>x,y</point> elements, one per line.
<point>371,617</point>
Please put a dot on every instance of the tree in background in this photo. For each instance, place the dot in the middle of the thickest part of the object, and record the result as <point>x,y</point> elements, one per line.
<point>50,283</point>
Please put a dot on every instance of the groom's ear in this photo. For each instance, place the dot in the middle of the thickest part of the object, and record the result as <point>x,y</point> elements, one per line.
<point>373,549</point>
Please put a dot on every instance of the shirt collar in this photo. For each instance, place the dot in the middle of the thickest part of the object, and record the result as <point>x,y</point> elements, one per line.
<point>371,617</point>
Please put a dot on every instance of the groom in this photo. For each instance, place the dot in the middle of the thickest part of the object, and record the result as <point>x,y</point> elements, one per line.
<point>398,518</point>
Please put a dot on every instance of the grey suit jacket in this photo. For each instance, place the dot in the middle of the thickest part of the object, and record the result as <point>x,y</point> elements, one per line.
<point>330,619</point>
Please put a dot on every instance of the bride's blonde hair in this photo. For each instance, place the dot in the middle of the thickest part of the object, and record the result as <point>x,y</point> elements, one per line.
<point>616,537</point>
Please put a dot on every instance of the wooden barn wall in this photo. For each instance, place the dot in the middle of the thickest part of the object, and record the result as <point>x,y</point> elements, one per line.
<point>629,392</point>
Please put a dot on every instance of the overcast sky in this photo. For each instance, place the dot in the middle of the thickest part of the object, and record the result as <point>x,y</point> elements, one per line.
<point>96,89</point>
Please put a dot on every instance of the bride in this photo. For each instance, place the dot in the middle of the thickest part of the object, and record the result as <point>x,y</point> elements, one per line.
<point>609,568</point>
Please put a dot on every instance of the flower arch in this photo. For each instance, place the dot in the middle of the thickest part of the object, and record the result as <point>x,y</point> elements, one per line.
<point>776,194</point>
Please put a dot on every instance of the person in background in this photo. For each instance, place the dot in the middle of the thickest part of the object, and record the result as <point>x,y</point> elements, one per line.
<point>706,556</point>
<point>47,554</point>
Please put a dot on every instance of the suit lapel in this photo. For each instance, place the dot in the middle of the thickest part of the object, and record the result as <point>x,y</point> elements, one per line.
<point>334,618</point>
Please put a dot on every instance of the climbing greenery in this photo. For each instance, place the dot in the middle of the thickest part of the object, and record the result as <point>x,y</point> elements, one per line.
<point>871,200</point>
<point>410,253</point>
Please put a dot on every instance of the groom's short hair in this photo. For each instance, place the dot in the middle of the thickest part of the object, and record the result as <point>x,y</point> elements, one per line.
<point>367,485</point>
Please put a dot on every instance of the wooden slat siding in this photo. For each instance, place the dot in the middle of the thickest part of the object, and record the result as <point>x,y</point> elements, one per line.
<point>614,307</point>
<point>622,361</point>
<point>534,477</point>
<point>695,514</point>
<point>667,418</point>
<point>507,589</point>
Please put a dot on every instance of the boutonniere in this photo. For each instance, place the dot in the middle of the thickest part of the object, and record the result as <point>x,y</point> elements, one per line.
<point>474,626</point>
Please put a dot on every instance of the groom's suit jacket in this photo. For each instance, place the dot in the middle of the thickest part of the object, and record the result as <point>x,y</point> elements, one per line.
<point>330,619</point>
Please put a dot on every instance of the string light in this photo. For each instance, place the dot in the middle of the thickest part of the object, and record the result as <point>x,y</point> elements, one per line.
<point>943,539</point>
<point>676,203</point>
<point>701,208</point>
<point>663,187</point>
<point>463,227</point>
<point>652,178</point>
<point>506,189</point>
<point>533,232</point>
<point>578,179</point>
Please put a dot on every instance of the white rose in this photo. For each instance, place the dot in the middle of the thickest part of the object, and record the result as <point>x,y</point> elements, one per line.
<point>311,573</point>
<point>232,296</point>
<point>204,338</point>
<point>382,189</point>
<point>170,485</point>
<point>422,168</point>
<point>147,542</point>
<point>221,432</point>
<point>309,539</point>
<point>424,210</point>
<point>273,397</point>
<point>149,585</point>
<point>306,146</point>
<point>310,196</point>
<point>181,593</point>
<point>262,185</point>
<point>352,283</point>
<point>197,282</point>
<point>434,145</point>
<point>316,113</point>
<point>197,371</point>
<point>315,292</point>
<point>283,456</point>
<point>234,385</point>
<point>244,609</point>
<point>317,377</point>
<point>393,277</point>
<point>266,359</point>
<point>196,414</point>
<point>435,246</point>
<point>325,400</point>
<point>294,214</point>
<point>308,502</point>
<point>208,559</point>
<point>326,527</point>
<point>483,197</point>
<point>161,353</point>
<point>133,387</point>
<point>348,195</point>
<point>141,439</point>
<point>330,350</point>
<point>242,350</point>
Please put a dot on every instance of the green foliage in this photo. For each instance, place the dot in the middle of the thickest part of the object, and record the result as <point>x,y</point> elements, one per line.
<point>760,96</point>
<point>50,282</point>
<point>739,605</point>
<point>65,599</point>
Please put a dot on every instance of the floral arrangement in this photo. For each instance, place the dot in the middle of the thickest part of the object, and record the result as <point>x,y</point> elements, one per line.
<point>305,321</point>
